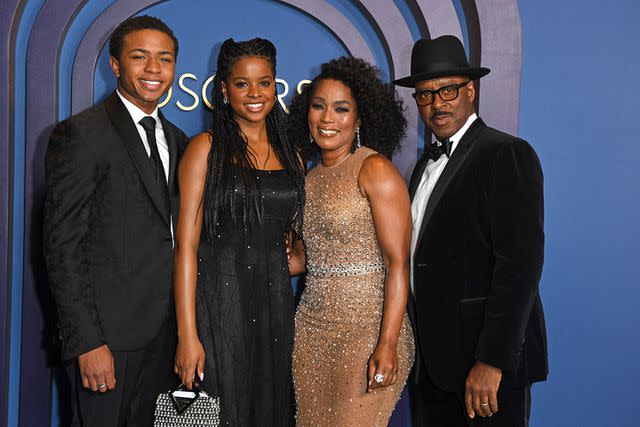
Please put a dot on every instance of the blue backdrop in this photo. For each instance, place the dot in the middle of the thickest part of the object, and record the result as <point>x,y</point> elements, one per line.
<point>576,108</point>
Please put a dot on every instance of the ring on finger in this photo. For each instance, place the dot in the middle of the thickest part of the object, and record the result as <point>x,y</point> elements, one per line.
<point>378,378</point>
<point>102,385</point>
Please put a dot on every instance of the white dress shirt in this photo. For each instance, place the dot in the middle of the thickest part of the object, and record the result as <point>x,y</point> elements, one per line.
<point>163,148</point>
<point>428,181</point>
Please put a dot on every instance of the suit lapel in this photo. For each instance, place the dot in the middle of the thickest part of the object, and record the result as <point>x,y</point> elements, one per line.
<point>416,175</point>
<point>122,122</point>
<point>172,184</point>
<point>458,157</point>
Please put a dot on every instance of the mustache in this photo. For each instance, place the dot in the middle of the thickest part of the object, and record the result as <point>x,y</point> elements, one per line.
<point>439,113</point>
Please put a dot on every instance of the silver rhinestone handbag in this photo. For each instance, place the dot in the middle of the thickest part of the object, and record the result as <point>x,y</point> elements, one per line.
<point>183,408</point>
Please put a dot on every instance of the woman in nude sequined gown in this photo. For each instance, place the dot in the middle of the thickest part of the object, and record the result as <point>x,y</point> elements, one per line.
<point>353,344</point>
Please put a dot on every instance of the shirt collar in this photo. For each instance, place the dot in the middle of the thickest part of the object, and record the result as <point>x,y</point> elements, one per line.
<point>136,113</point>
<point>456,137</point>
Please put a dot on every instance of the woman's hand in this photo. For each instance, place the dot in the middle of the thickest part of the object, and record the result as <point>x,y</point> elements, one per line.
<point>296,256</point>
<point>192,174</point>
<point>189,358</point>
<point>383,186</point>
<point>383,361</point>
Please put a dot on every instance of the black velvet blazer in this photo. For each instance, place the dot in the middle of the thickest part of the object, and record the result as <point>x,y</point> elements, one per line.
<point>478,260</point>
<point>107,235</point>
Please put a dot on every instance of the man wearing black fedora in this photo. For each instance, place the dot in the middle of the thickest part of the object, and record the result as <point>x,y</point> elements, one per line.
<point>477,253</point>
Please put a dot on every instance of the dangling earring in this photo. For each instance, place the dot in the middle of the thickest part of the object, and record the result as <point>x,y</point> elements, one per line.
<point>358,145</point>
<point>225,101</point>
<point>311,141</point>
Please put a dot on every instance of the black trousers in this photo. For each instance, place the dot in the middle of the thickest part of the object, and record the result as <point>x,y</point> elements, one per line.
<point>140,376</point>
<point>433,407</point>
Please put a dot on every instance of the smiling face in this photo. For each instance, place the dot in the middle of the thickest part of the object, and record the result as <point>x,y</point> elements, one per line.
<point>250,89</point>
<point>333,116</point>
<point>146,67</point>
<point>445,118</point>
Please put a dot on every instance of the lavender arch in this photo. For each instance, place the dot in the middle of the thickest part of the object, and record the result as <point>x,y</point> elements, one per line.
<point>501,50</point>
<point>97,34</point>
<point>45,42</point>
<point>494,41</point>
<point>494,37</point>
<point>398,41</point>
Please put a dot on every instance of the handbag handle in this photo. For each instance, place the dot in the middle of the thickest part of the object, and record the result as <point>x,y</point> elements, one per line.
<point>182,402</point>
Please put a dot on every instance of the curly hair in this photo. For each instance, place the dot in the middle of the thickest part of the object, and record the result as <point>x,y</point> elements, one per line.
<point>143,22</point>
<point>382,122</point>
<point>230,149</point>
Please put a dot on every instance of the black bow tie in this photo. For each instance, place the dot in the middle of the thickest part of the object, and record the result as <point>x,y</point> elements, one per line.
<point>435,151</point>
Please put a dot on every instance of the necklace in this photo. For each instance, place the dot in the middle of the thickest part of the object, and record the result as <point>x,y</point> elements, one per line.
<point>339,163</point>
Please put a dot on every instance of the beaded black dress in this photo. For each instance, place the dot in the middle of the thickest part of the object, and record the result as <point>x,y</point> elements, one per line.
<point>245,309</point>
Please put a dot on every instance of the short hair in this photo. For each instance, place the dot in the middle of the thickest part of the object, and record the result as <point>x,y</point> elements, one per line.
<point>144,22</point>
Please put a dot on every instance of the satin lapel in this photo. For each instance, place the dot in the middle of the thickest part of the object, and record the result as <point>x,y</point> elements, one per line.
<point>458,157</point>
<point>122,122</point>
<point>172,183</point>
<point>416,175</point>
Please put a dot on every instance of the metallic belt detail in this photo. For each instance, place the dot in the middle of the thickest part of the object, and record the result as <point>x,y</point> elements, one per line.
<point>344,270</point>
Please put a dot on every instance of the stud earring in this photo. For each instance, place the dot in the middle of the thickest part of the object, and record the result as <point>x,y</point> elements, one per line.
<point>358,145</point>
<point>311,141</point>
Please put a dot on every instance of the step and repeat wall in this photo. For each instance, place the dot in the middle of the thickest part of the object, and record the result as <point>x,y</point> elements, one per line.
<point>55,64</point>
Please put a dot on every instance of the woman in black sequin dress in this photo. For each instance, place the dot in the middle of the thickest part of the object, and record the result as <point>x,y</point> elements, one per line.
<point>242,188</point>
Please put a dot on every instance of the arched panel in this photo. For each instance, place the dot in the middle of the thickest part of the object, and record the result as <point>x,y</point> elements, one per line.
<point>494,40</point>
<point>9,15</point>
<point>440,17</point>
<point>338,24</point>
<point>501,51</point>
<point>41,91</point>
<point>94,39</point>
<point>398,40</point>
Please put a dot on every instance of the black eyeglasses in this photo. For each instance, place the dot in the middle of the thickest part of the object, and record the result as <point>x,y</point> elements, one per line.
<point>446,93</point>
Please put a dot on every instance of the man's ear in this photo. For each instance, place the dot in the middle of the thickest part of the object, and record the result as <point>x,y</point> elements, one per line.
<point>115,66</point>
<point>471,91</point>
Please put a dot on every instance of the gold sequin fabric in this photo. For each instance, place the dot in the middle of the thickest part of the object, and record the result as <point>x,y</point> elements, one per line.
<point>340,311</point>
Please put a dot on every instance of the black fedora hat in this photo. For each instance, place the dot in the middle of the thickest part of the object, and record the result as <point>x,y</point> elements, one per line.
<point>440,57</point>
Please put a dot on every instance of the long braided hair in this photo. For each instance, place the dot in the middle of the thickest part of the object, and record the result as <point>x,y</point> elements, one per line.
<point>230,157</point>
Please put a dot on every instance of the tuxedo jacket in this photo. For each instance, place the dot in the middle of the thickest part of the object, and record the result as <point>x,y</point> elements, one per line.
<point>478,260</point>
<point>107,230</point>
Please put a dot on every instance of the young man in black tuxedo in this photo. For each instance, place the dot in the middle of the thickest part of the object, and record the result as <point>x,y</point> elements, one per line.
<point>111,208</point>
<point>477,253</point>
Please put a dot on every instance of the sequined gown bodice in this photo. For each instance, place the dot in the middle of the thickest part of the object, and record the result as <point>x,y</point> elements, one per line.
<point>340,310</point>
<point>341,243</point>
<point>245,309</point>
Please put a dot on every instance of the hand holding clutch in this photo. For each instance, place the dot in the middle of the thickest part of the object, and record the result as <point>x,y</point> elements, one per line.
<point>189,359</point>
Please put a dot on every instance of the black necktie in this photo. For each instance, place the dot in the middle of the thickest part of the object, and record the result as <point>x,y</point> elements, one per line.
<point>149,125</point>
<point>435,151</point>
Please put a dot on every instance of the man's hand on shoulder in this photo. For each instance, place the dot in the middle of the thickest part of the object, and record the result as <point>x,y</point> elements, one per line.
<point>97,369</point>
<point>481,390</point>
